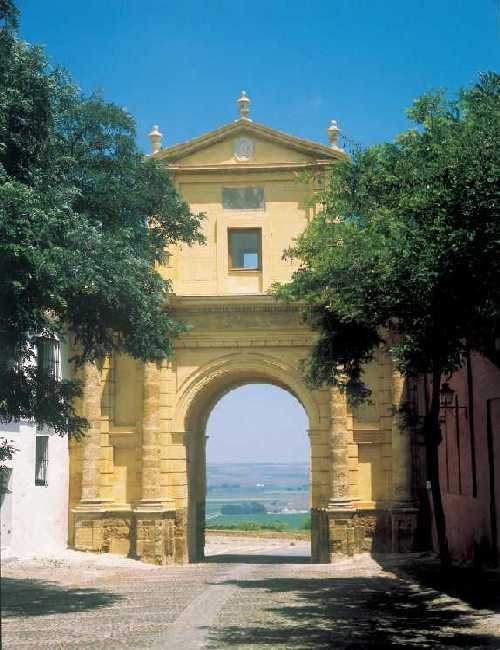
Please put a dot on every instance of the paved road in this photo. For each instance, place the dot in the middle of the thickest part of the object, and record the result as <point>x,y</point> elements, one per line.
<point>250,594</point>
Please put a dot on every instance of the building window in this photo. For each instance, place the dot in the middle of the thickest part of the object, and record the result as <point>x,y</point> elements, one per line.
<point>41,459</point>
<point>48,357</point>
<point>244,249</point>
<point>5,474</point>
<point>243,198</point>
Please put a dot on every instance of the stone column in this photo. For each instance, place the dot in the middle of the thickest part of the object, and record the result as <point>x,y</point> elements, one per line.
<point>89,510</point>
<point>150,483</point>
<point>340,498</point>
<point>91,408</point>
<point>402,484</point>
<point>154,522</point>
<point>340,508</point>
<point>403,510</point>
<point>320,493</point>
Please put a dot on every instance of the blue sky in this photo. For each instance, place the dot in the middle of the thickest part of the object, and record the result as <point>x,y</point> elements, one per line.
<point>182,63</point>
<point>258,423</point>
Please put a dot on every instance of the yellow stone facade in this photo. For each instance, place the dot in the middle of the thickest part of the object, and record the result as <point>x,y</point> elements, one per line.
<point>138,478</point>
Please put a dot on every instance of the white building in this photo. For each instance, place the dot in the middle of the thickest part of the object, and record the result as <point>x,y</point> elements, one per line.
<point>34,490</point>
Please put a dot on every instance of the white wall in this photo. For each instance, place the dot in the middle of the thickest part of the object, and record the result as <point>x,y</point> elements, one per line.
<point>34,518</point>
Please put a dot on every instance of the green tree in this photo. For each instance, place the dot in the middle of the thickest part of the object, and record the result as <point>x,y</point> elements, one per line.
<point>407,248</point>
<point>85,220</point>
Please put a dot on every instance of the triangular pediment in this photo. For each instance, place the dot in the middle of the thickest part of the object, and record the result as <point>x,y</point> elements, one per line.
<point>246,143</point>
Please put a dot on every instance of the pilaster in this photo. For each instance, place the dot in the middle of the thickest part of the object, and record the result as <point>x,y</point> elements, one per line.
<point>340,507</point>
<point>320,491</point>
<point>153,537</point>
<point>150,477</point>
<point>91,407</point>
<point>89,509</point>
<point>403,510</point>
<point>340,498</point>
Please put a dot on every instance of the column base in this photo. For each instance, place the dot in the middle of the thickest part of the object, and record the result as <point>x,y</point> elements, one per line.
<point>148,532</point>
<point>154,505</point>
<point>341,530</point>
<point>98,529</point>
<point>346,531</point>
<point>153,538</point>
<point>93,505</point>
<point>319,536</point>
<point>341,505</point>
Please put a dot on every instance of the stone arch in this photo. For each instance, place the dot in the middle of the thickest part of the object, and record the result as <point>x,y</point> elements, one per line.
<point>199,394</point>
<point>209,383</point>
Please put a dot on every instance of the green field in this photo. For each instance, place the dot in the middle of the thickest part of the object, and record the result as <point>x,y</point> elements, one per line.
<point>283,521</point>
<point>282,488</point>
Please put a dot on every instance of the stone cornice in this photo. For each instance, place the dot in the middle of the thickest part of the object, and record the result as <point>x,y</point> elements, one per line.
<point>301,340</point>
<point>231,303</point>
<point>248,167</point>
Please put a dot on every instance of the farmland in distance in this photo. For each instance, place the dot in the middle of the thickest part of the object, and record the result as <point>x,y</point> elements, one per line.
<point>257,495</point>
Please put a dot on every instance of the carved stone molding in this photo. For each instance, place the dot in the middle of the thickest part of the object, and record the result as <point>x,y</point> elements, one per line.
<point>195,342</point>
<point>231,303</point>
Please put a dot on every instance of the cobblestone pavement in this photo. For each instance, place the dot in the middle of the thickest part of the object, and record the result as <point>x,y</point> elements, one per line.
<point>251,594</point>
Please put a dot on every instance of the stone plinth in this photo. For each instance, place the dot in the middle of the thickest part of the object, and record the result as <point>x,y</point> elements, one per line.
<point>149,536</point>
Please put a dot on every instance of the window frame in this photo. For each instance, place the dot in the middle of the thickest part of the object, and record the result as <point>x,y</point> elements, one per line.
<point>52,370</point>
<point>240,269</point>
<point>41,459</point>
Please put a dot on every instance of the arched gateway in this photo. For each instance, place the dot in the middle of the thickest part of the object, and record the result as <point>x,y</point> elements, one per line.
<point>138,478</point>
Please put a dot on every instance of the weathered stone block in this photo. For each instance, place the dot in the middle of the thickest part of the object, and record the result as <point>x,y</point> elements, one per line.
<point>83,538</point>
<point>168,465</point>
<point>338,533</point>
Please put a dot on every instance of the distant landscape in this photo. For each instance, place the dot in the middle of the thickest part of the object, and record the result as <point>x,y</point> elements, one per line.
<point>258,496</point>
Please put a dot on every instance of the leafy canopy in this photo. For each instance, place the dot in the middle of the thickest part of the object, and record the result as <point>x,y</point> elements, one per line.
<point>408,239</point>
<point>84,222</point>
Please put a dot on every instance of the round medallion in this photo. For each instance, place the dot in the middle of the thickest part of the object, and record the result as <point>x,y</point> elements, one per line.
<point>243,148</point>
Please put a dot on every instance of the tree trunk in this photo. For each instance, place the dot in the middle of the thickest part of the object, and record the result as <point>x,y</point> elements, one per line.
<point>432,440</point>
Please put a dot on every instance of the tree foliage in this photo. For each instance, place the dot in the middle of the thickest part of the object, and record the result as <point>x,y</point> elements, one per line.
<point>84,222</point>
<point>409,239</point>
<point>408,243</point>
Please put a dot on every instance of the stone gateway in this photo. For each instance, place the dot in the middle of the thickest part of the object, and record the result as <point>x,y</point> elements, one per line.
<point>138,480</point>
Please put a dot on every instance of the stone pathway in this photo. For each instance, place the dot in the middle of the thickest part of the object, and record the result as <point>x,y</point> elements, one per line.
<point>251,594</point>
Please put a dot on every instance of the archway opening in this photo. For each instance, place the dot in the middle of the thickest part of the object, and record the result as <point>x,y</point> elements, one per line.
<point>250,475</point>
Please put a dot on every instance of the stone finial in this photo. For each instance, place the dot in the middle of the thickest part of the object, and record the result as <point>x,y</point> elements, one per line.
<point>243,105</point>
<point>155,136</point>
<point>333,134</point>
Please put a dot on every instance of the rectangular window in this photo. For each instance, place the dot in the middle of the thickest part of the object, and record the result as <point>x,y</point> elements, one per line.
<point>245,245</point>
<point>41,459</point>
<point>5,474</point>
<point>48,357</point>
<point>243,198</point>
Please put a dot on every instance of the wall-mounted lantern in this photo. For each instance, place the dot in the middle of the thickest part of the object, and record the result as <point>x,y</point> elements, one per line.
<point>446,394</point>
<point>447,401</point>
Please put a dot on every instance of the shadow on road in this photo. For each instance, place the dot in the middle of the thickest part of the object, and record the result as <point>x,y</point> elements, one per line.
<point>479,588</point>
<point>233,558</point>
<point>29,597</point>
<point>350,613</point>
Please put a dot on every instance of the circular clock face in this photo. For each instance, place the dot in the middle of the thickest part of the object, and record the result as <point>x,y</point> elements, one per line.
<point>243,148</point>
